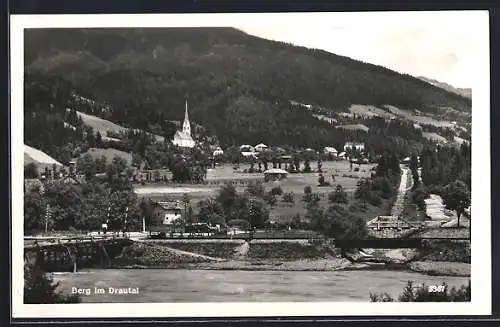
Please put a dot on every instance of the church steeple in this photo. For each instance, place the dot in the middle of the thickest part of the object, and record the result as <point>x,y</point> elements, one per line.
<point>186,126</point>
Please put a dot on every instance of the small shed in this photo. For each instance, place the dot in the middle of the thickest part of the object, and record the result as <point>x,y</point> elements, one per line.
<point>275,174</point>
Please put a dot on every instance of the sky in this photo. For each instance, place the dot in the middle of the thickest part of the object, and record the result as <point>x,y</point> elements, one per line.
<point>439,45</point>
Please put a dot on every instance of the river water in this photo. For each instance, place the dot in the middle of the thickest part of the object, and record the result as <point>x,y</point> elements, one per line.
<point>180,285</point>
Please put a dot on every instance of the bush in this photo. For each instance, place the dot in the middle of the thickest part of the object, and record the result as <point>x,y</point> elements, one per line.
<point>423,294</point>
<point>288,197</point>
<point>276,190</point>
<point>337,222</point>
<point>311,199</point>
<point>270,199</point>
<point>307,190</point>
<point>256,189</point>
<point>339,196</point>
<point>296,222</point>
<point>418,196</point>
<point>40,289</point>
<point>321,180</point>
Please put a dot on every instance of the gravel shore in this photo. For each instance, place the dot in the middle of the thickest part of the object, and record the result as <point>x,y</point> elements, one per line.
<point>441,268</point>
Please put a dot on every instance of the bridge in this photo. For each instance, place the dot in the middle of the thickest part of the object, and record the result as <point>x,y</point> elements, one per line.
<point>72,253</point>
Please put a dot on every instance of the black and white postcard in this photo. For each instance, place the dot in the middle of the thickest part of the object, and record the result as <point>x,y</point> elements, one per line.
<point>222,165</point>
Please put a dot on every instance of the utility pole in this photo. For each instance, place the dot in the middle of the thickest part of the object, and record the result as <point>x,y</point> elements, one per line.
<point>125,221</point>
<point>47,217</point>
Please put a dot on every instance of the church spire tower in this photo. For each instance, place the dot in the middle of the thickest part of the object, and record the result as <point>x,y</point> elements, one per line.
<point>186,126</point>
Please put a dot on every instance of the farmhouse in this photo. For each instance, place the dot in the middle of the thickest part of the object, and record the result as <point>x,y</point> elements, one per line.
<point>183,138</point>
<point>218,152</point>
<point>330,151</point>
<point>275,174</point>
<point>168,212</point>
<point>260,147</point>
<point>356,145</point>
<point>153,175</point>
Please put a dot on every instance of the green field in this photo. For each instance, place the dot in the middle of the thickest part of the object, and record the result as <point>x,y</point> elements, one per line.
<point>294,183</point>
<point>109,154</point>
<point>104,126</point>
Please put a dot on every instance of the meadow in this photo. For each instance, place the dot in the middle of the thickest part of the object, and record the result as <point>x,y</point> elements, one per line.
<point>104,126</point>
<point>109,154</point>
<point>294,183</point>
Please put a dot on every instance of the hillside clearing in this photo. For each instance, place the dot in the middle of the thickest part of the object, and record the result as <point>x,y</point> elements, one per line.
<point>104,126</point>
<point>109,154</point>
<point>355,127</point>
<point>434,137</point>
<point>32,155</point>
<point>420,119</point>
<point>369,111</point>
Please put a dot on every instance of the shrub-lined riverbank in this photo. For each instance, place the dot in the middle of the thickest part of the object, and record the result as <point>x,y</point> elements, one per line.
<point>281,256</point>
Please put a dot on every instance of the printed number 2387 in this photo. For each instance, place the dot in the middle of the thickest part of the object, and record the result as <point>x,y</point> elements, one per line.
<point>436,288</point>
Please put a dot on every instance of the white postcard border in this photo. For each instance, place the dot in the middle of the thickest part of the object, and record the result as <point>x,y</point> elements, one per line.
<point>481,197</point>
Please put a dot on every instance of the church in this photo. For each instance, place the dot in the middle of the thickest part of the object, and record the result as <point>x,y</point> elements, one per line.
<point>183,137</point>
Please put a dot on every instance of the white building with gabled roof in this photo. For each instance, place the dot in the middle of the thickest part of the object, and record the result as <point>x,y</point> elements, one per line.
<point>260,147</point>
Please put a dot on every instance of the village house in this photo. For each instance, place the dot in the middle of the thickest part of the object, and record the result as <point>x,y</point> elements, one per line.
<point>153,175</point>
<point>245,148</point>
<point>218,152</point>
<point>183,137</point>
<point>167,212</point>
<point>260,147</point>
<point>330,151</point>
<point>356,145</point>
<point>275,174</point>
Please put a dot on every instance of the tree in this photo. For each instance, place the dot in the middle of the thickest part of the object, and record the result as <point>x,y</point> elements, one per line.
<point>186,201</point>
<point>422,293</point>
<point>256,189</point>
<point>147,211</point>
<point>343,225</point>
<point>414,169</point>
<point>227,198</point>
<point>40,289</point>
<point>288,197</point>
<point>418,196</point>
<point>321,180</point>
<point>34,211</point>
<point>339,196</point>
<point>87,166</point>
<point>307,166</point>
<point>210,211</point>
<point>31,170</point>
<point>296,221</point>
<point>98,139</point>
<point>457,197</point>
<point>270,199</point>
<point>258,213</point>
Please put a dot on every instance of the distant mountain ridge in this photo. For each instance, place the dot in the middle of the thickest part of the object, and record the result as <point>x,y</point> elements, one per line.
<point>239,86</point>
<point>465,92</point>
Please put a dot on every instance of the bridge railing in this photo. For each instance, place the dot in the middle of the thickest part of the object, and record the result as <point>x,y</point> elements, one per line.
<point>83,238</point>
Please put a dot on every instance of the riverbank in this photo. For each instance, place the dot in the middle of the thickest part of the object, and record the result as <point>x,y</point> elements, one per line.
<point>278,256</point>
<point>456,269</point>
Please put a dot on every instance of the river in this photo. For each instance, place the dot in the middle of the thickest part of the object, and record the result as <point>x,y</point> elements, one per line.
<point>180,285</point>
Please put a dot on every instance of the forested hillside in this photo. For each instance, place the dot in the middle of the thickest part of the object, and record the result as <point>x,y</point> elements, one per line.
<point>239,86</point>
